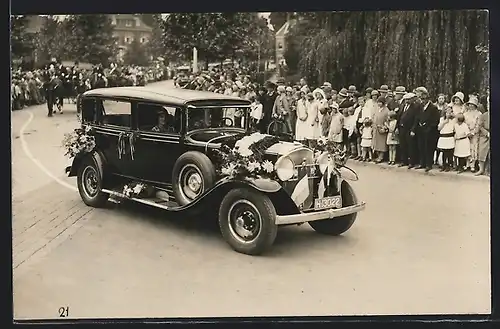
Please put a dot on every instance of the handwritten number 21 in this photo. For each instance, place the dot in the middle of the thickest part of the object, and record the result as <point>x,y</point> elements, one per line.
<point>63,312</point>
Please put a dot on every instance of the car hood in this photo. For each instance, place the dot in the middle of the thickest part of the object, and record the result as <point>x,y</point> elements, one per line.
<point>229,137</point>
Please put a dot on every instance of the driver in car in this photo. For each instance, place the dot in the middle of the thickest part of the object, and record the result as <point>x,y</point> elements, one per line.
<point>165,123</point>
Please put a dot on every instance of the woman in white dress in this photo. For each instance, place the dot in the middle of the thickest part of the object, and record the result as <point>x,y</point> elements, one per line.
<point>312,122</point>
<point>301,124</point>
<point>336,125</point>
<point>446,141</point>
<point>320,97</point>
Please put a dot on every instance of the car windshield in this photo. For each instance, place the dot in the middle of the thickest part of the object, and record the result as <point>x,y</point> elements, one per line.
<point>216,117</point>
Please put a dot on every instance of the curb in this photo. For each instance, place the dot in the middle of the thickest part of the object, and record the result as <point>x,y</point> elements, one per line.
<point>433,172</point>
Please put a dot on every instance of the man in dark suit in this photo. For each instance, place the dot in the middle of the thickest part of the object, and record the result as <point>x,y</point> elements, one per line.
<point>268,100</point>
<point>406,121</point>
<point>343,99</point>
<point>425,129</point>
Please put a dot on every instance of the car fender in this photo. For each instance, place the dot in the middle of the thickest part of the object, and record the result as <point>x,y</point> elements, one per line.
<point>281,200</point>
<point>98,156</point>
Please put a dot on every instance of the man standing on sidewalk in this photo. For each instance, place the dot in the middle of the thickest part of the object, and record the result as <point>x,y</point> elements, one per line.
<point>406,119</point>
<point>426,129</point>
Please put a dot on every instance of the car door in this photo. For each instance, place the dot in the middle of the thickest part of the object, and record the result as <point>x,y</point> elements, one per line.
<point>115,125</point>
<point>156,150</point>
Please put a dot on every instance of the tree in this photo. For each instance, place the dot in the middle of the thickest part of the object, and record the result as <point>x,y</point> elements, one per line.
<point>216,35</point>
<point>50,38</point>
<point>136,54</point>
<point>21,41</point>
<point>435,49</point>
<point>155,45</point>
<point>90,38</point>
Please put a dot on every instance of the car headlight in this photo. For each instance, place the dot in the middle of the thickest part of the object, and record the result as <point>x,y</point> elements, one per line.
<point>285,168</point>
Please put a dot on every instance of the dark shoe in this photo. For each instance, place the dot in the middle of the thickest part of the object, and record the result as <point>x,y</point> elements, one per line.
<point>411,166</point>
<point>427,169</point>
<point>442,169</point>
<point>421,167</point>
<point>402,165</point>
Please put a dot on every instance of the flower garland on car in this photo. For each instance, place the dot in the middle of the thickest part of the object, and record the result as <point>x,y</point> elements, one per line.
<point>81,140</point>
<point>246,158</point>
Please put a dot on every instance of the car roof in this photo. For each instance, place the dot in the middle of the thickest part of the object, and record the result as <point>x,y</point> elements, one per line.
<point>174,96</point>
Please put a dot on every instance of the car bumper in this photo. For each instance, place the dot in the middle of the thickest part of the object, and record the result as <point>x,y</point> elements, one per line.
<point>319,215</point>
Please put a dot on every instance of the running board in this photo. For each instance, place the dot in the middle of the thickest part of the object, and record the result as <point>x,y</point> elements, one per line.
<point>158,203</point>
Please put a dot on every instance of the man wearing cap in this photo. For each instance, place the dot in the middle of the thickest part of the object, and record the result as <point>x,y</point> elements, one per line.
<point>343,99</point>
<point>399,92</point>
<point>351,91</point>
<point>425,129</point>
<point>406,120</point>
<point>384,90</point>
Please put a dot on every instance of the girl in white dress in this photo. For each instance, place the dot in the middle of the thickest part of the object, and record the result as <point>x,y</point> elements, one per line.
<point>301,124</point>
<point>366,140</point>
<point>320,97</point>
<point>336,126</point>
<point>392,136</point>
<point>446,141</point>
<point>312,127</point>
<point>462,142</point>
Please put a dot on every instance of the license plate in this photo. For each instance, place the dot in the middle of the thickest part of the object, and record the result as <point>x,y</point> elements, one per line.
<point>328,202</point>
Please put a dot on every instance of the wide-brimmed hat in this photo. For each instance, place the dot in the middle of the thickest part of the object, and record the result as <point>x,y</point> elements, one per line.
<point>352,89</point>
<point>409,96</point>
<point>320,91</point>
<point>281,89</point>
<point>460,96</point>
<point>343,92</point>
<point>374,92</point>
<point>382,100</point>
<point>473,101</point>
<point>400,90</point>
<point>334,105</point>
<point>289,88</point>
<point>384,88</point>
<point>422,90</point>
<point>368,90</point>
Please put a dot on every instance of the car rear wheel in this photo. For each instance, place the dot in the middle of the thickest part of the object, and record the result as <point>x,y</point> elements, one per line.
<point>193,174</point>
<point>247,220</point>
<point>89,181</point>
<point>338,225</point>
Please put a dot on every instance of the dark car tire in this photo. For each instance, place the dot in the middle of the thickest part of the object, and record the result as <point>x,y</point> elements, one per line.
<point>338,225</point>
<point>238,202</point>
<point>89,180</point>
<point>192,165</point>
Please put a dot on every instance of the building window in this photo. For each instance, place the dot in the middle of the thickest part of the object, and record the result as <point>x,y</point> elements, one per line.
<point>127,40</point>
<point>143,40</point>
<point>280,46</point>
<point>128,23</point>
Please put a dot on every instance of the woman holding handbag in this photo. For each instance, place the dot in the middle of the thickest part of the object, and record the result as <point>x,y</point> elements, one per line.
<point>380,130</point>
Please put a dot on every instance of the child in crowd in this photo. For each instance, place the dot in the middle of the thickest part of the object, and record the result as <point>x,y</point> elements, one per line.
<point>256,112</point>
<point>366,139</point>
<point>392,136</point>
<point>462,142</point>
<point>446,141</point>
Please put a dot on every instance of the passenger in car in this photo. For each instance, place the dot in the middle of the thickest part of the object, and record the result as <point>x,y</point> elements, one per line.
<point>165,124</point>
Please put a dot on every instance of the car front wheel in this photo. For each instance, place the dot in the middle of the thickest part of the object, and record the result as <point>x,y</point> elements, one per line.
<point>338,225</point>
<point>247,221</point>
<point>89,181</point>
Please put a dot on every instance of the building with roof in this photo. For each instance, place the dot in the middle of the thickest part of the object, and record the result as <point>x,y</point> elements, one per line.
<point>127,28</point>
<point>281,40</point>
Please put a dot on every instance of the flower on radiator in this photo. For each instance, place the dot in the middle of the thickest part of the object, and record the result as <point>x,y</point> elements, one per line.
<point>253,166</point>
<point>268,166</point>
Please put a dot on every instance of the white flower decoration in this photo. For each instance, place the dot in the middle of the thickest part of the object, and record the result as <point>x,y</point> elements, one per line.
<point>138,188</point>
<point>253,166</point>
<point>268,166</point>
<point>229,170</point>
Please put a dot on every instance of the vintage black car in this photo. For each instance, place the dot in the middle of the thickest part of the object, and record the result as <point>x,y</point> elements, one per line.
<point>167,139</point>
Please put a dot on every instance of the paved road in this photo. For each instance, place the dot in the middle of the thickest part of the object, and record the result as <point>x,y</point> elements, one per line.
<point>420,247</point>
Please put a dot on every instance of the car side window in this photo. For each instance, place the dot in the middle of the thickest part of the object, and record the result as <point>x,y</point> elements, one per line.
<point>158,118</point>
<point>116,113</point>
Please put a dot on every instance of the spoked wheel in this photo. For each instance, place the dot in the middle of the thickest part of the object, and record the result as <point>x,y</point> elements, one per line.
<point>247,221</point>
<point>276,128</point>
<point>89,181</point>
<point>193,174</point>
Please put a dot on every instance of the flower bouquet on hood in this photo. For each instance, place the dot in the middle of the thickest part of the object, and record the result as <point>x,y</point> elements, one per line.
<point>337,151</point>
<point>81,140</point>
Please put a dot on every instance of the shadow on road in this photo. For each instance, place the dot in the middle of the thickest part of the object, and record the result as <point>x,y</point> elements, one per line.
<point>291,241</point>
